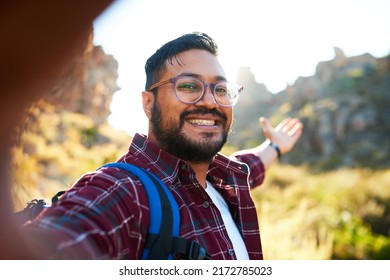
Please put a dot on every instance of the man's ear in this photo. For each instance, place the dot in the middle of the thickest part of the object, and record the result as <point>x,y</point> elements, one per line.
<point>147,103</point>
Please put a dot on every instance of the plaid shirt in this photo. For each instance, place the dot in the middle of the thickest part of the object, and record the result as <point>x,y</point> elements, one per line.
<point>105,215</point>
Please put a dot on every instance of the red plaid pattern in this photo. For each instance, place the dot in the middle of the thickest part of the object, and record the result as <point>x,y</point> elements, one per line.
<point>105,214</point>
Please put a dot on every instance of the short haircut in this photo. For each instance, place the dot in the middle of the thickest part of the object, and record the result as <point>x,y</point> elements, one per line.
<point>156,63</point>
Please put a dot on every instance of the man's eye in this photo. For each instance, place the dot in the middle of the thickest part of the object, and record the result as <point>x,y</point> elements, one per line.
<point>188,87</point>
<point>220,90</point>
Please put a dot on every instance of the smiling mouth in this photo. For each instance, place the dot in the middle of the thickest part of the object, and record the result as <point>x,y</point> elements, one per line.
<point>203,122</point>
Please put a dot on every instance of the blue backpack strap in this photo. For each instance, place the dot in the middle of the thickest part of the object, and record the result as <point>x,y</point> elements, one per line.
<point>164,215</point>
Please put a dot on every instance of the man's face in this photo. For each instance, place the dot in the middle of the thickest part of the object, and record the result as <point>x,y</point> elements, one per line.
<point>193,132</point>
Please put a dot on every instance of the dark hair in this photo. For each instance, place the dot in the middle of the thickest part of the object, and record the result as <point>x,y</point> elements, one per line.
<point>156,63</point>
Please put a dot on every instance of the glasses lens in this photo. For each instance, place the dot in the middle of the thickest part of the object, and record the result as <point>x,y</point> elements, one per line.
<point>188,89</point>
<point>226,94</point>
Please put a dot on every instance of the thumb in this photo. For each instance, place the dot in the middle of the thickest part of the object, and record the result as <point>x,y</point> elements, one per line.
<point>266,126</point>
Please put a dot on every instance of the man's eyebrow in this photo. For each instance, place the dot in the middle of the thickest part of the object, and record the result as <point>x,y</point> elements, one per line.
<point>189,74</point>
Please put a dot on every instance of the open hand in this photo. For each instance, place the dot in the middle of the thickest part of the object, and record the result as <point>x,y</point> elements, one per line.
<point>285,134</point>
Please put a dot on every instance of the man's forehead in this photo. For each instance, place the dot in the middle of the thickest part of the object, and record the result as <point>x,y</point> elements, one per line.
<point>195,61</point>
<point>192,55</point>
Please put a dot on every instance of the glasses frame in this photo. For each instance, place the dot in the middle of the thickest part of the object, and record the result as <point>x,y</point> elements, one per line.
<point>205,85</point>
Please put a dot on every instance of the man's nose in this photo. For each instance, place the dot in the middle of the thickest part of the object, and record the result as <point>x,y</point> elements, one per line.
<point>207,99</point>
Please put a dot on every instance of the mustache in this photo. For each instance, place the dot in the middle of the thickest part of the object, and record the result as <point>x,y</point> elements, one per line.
<point>204,111</point>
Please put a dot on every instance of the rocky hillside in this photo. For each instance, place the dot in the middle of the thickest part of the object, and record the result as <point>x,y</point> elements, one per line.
<point>66,133</point>
<point>344,106</point>
<point>89,88</point>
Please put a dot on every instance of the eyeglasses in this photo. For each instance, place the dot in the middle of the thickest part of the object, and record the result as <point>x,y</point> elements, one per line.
<point>190,90</point>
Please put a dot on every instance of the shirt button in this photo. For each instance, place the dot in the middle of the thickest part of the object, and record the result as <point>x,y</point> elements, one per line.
<point>206,204</point>
<point>230,252</point>
<point>183,167</point>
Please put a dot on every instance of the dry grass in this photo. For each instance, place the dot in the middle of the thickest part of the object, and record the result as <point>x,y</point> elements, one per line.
<point>323,216</point>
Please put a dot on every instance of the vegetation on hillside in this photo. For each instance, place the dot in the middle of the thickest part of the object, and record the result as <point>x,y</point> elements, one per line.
<point>343,214</point>
<point>55,148</point>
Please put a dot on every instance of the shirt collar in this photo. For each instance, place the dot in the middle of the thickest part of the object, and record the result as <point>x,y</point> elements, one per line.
<point>150,156</point>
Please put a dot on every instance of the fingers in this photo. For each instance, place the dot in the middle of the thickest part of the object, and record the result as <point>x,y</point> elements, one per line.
<point>282,124</point>
<point>296,132</point>
<point>289,126</point>
<point>294,126</point>
<point>285,134</point>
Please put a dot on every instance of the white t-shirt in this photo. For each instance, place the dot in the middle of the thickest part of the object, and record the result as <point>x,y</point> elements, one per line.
<point>232,230</point>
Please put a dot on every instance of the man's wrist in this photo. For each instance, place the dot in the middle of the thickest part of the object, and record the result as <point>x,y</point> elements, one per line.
<point>277,149</point>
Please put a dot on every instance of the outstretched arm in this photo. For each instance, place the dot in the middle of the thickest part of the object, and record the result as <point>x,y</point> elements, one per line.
<point>284,136</point>
<point>39,40</point>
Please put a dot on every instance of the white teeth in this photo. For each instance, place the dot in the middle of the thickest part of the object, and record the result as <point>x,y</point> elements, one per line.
<point>202,122</point>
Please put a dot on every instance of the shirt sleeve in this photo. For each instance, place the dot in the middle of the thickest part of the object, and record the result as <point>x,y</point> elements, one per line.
<point>256,168</point>
<point>100,217</point>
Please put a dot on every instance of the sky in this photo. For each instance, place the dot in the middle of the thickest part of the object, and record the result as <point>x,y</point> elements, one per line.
<point>280,40</point>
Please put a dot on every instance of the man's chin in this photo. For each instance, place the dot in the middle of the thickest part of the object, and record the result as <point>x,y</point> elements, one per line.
<point>206,139</point>
<point>193,150</point>
<point>199,135</point>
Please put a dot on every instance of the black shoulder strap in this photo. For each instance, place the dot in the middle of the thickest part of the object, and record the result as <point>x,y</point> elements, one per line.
<point>33,208</point>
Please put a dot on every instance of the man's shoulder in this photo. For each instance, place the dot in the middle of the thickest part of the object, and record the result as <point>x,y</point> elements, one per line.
<point>229,163</point>
<point>106,177</point>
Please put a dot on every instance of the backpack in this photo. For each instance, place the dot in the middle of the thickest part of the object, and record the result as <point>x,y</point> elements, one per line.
<point>162,240</point>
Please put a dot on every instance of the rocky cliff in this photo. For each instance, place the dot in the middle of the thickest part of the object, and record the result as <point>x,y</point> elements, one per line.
<point>89,87</point>
<point>344,106</point>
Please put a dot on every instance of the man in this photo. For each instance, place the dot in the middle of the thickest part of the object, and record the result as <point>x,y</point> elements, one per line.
<point>189,104</point>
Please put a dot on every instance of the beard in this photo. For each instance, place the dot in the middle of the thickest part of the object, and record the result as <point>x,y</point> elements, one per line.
<point>174,141</point>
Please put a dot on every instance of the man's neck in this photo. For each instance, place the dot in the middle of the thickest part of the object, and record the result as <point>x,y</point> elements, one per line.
<point>200,170</point>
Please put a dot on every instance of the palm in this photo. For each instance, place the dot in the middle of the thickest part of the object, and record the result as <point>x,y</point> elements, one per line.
<point>285,134</point>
